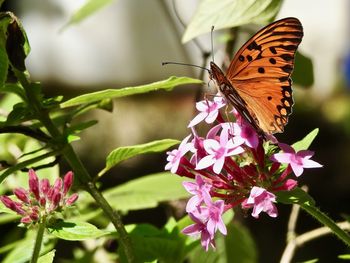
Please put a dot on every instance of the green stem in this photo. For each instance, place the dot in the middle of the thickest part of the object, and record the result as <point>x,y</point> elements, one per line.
<point>80,172</point>
<point>325,220</point>
<point>38,241</point>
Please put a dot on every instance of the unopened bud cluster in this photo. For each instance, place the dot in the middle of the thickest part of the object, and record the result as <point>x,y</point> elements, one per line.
<point>41,199</point>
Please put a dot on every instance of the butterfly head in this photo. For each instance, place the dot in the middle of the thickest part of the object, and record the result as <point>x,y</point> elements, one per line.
<point>215,73</point>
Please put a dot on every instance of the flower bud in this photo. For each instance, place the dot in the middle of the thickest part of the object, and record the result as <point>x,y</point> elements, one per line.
<point>22,194</point>
<point>34,184</point>
<point>44,186</point>
<point>26,220</point>
<point>58,184</point>
<point>72,199</point>
<point>34,216</point>
<point>42,201</point>
<point>68,181</point>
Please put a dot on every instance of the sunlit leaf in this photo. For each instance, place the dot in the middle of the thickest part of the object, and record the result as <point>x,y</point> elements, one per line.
<point>305,143</point>
<point>88,9</point>
<point>230,13</point>
<point>295,196</point>
<point>126,152</point>
<point>167,84</point>
<point>146,192</point>
<point>75,230</point>
<point>48,257</point>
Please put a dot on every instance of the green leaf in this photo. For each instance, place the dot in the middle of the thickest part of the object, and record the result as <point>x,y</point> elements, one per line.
<point>89,8</point>
<point>23,251</point>
<point>48,257</point>
<point>150,243</point>
<point>305,143</point>
<point>4,64</point>
<point>14,39</point>
<point>296,196</point>
<point>124,153</point>
<point>344,256</point>
<point>229,13</point>
<point>167,84</point>
<point>239,245</point>
<point>303,73</point>
<point>75,230</point>
<point>146,192</point>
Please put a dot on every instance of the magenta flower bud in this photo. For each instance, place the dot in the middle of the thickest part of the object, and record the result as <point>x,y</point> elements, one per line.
<point>42,201</point>
<point>58,184</point>
<point>22,194</point>
<point>67,182</point>
<point>26,220</point>
<point>8,202</point>
<point>72,199</point>
<point>56,198</point>
<point>14,206</point>
<point>44,186</point>
<point>34,184</point>
<point>50,193</point>
<point>34,216</point>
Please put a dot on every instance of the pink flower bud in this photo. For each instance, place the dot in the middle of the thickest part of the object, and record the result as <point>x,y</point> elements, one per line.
<point>58,184</point>
<point>14,206</point>
<point>34,216</point>
<point>44,186</point>
<point>42,201</point>
<point>68,181</point>
<point>22,194</point>
<point>26,220</point>
<point>56,198</point>
<point>72,199</point>
<point>34,184</point>
<point>50,193</point>
<point>8,202</point>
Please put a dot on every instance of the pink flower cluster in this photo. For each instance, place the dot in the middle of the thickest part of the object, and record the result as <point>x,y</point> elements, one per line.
<point>41,199</point>
<point>232,166</point>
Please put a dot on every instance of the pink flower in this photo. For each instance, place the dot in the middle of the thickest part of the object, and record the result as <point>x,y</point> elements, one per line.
<point>246,133</point>
<point>208,110</point>
<point>298,161</point>
<point>175,156</point>
<point>200,189</point>
<point>67,182</point>
<point>262,201</point>
<point>215,221</point>
<point>200,228</point>
<point>218,151</point>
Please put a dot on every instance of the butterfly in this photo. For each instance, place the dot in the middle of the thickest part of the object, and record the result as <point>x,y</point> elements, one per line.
<point>257,82</point>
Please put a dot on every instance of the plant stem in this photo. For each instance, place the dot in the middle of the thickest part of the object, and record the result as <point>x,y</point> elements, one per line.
<point>325,220</point>
<point>38,241</point>
<point>114,216</point>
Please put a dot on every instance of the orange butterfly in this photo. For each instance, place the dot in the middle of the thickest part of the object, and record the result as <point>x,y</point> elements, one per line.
<point>257,82</point>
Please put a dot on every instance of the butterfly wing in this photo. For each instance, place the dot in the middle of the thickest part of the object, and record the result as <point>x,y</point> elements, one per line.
<point>261,69</point>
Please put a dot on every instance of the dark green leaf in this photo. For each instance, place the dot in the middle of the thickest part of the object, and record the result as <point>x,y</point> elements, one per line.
<point>305,143</point>
<point>230,13</point>
<point>147,192</point>
<point>77,128</point>
<point>124,153</point>
<point>150,243</point>
<point>296,196</point>
<point>239,244</point>
<point>89,8</point>
<point>117,93</point>
<point>13,88</point>
<point>303,73</point>
<point>3,66</point>
<point>75,230</point>
<point>14,39</point>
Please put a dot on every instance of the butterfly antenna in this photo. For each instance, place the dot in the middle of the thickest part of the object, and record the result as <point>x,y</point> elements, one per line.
<point>184,64</point>
<point>212,45</point>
